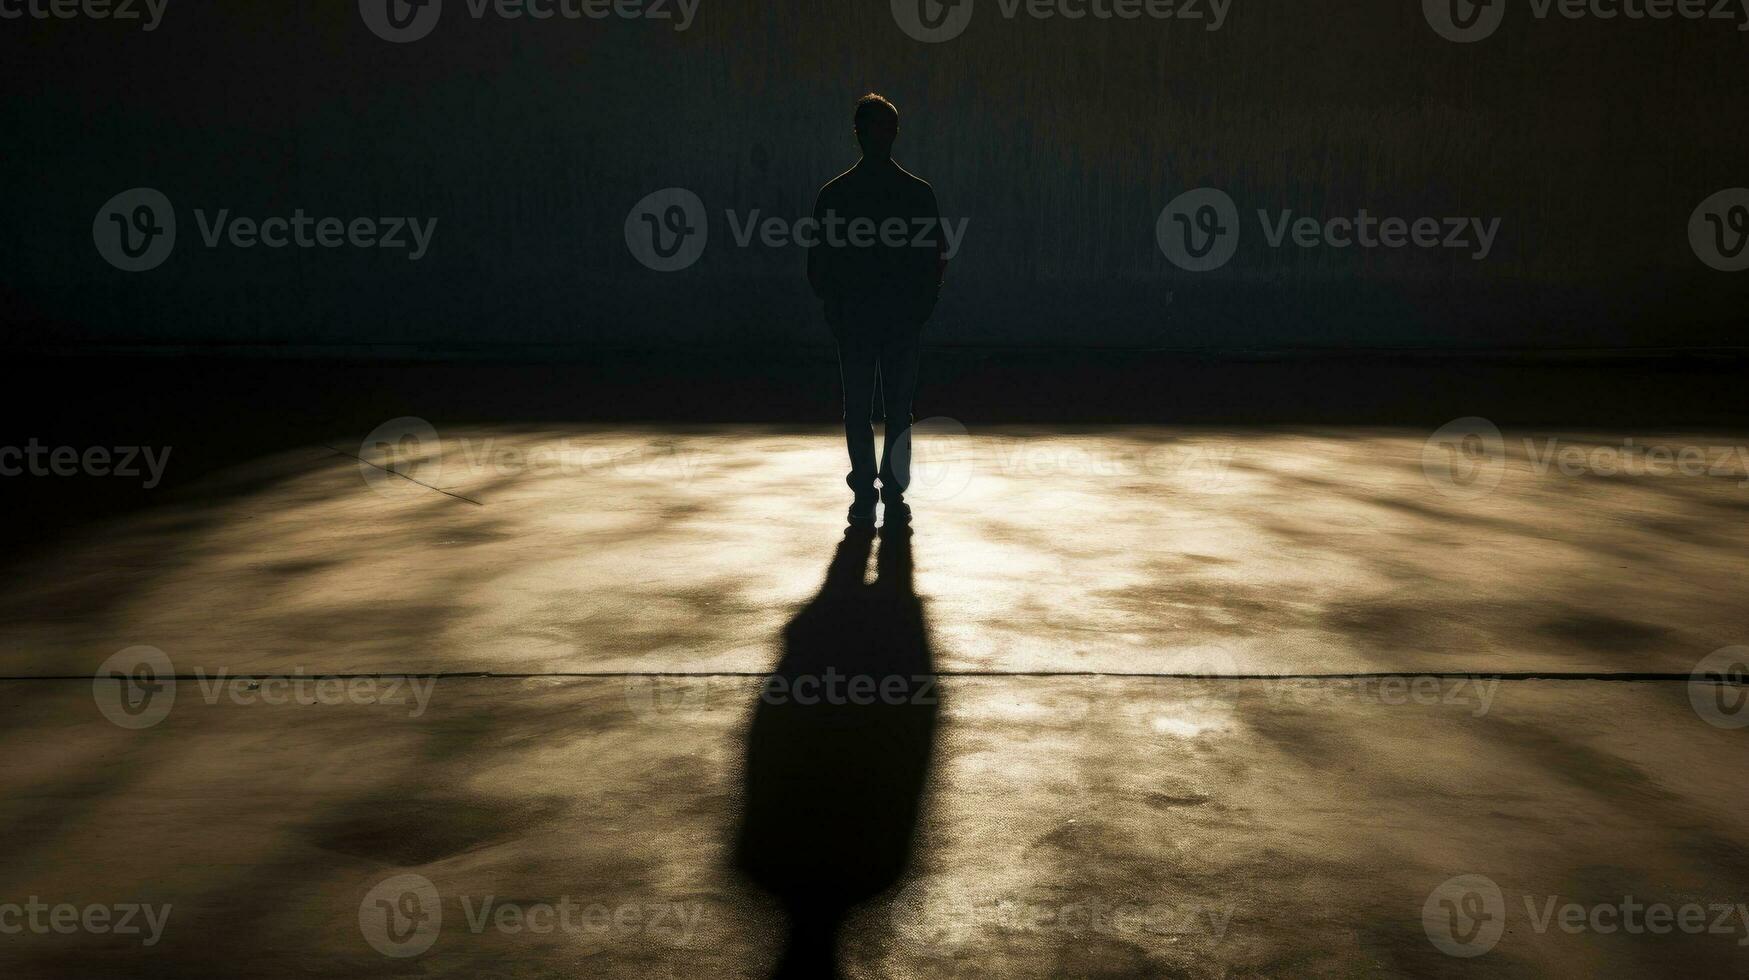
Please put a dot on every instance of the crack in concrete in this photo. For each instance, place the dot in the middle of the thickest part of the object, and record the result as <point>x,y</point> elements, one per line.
<point>1607,676</point>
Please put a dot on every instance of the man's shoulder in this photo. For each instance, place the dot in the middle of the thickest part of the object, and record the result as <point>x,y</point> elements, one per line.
<point>859,175</point>
<point>915,181</point>
<point>838,183</point>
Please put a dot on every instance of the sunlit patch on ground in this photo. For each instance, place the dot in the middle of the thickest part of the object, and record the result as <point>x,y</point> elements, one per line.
<point>1195,823</point>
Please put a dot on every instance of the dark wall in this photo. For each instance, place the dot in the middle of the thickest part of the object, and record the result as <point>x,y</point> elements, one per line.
<point>529,141</point>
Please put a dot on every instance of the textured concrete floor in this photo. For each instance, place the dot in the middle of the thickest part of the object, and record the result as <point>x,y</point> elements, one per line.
<point>1145,550</point>
<point>1113,824</point>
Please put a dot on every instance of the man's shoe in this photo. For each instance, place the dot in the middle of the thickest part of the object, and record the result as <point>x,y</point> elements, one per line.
<point>898,512</point>
<point>862,512</point>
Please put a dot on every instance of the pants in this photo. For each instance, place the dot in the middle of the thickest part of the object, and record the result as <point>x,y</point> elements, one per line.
<point>884,354</point>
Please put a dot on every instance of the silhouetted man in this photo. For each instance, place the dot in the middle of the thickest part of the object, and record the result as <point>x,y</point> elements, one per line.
<point>877,266</point>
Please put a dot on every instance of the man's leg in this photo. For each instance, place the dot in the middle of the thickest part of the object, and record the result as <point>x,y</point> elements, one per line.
<point>858,359</point>
<point>898,359</point>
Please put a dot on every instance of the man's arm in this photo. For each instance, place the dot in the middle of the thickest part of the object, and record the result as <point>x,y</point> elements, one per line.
<point>933,267</point>
<point>940,244</point>
<point>823,264</point>
<point>820,257</point>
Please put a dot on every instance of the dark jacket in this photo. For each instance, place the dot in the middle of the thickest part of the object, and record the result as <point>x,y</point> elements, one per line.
<point>863,274</point>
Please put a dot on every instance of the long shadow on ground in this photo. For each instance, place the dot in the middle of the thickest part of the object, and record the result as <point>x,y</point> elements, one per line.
<point>839,750</point>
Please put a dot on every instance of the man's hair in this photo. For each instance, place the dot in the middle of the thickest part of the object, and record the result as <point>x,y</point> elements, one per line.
<point>872,108</point>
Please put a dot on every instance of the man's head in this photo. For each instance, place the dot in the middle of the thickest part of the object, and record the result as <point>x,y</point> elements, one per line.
<point>877,126</point>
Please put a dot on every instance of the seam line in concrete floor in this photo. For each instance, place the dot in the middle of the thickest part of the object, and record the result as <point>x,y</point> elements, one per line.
<point>487,675</point>
<point>385,469</point>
